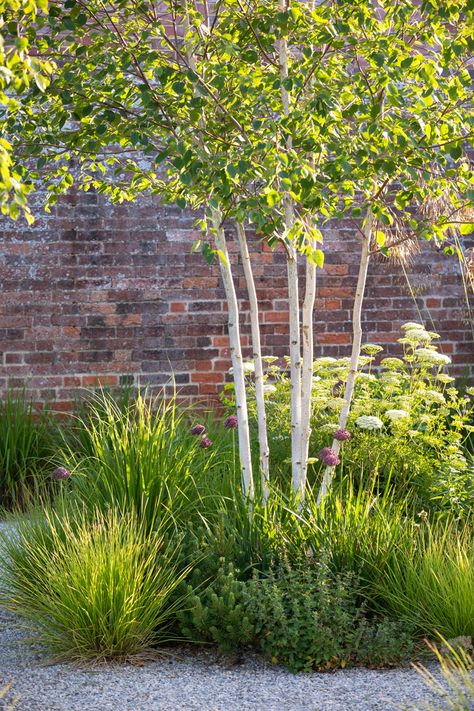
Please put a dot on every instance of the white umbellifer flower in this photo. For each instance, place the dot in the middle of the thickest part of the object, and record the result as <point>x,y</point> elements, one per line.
<point>269,388</point>
<point>417,334</point>
<point>434,396</point>
<point>371,348</point>
<point>367,376</point>
<point>470,391</point>
<point>369,422</point>
<point>391,363</point>
<point>247,366</point>
<point>412,325</point>
<point>328,427</point>
<point>324,360</point>
<point>396,414</point>
<point>445,379</point>
<point>269,359</point>
<point>336,403</point>
<point>316,378</point>
<point>433,356</point>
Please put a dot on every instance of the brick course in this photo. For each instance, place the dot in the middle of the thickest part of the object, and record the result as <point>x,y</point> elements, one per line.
<point>95,293</point>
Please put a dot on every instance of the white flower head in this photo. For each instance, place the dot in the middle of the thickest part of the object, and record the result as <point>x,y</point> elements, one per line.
<point>369,422</point>
<point>367,376</point>
<point>418,335</point>
<point>269,359</point>
<point>269,388</point>
<point>396,414</point>
<point>432,356</point>
<point>434,396</point>
<point>470,391</point>
<point>371,348</point>
<point>411,325</point>
<point>391,363</point>
<point>445,379</point>
<point>247,367</point>
<point>323,362</point>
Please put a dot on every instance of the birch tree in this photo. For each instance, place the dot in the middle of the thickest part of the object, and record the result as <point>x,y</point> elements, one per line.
<point>267,114</point>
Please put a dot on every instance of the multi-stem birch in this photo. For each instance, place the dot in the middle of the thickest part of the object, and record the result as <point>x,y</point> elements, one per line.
<point>356,344</point>
<point>235,343</point>
<point>293,291</point>
<point>307,371</point>
<point>257,359</point>
<point>236,355</point>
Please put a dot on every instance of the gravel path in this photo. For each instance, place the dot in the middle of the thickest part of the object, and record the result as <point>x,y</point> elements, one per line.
<point>193,683</point>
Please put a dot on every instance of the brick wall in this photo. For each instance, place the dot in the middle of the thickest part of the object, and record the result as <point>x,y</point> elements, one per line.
<point>95,293</point>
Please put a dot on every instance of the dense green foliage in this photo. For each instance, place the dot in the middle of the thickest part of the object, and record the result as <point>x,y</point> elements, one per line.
<point>26,448</point>
<point>409,424</point>
<point>93,587</point>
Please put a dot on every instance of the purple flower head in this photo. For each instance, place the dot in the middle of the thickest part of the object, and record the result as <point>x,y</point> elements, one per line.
<point>206,443</point>
<point>231,423</point>
<point>342,435</point>
<point>324,453</point>
<point>329,457</point>
<point>60,474</point>
<point>198,430</point>
<point>331,460</point>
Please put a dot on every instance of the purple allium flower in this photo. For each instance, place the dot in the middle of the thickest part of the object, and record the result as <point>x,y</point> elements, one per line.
<point>324,453</point>
<point>198,430</point>
<point>331,460</point>
<point>329,457</point>
<point>61,473</point>
<point>342,435</point>
<point>231,423</point>
<point>206,443</point>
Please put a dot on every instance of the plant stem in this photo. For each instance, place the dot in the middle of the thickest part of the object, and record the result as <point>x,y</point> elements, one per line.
<point>236,356</point>
<point>356,344</point>
<point>258,363</point>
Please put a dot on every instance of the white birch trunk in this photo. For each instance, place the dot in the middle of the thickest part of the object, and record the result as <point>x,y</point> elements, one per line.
<point>293,292</point>
<point>258,363</point>
<point>307,372</point>
<point>236,356</point>
<point>356,345</point>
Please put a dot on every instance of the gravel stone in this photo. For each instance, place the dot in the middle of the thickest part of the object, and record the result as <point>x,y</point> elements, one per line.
<point>193,682</point>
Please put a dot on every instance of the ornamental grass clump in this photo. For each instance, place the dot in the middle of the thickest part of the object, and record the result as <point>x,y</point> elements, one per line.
<point>141,455</point>
<point>26,446</point>
<point>431,582</point>
<point>90,587</point>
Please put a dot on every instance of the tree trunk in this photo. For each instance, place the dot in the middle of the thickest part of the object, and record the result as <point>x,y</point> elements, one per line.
<point>307,372</point>
<point>356,344</point>
<point>258,363</point>
<point>293,292</point>
<point>236,355</point>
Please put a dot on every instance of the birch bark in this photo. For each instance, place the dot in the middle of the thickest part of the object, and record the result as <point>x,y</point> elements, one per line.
<point>236,356</point>
<point>293,291</point>
<point>356,344</point>
<point>258,363</point>
<point>307,372</point>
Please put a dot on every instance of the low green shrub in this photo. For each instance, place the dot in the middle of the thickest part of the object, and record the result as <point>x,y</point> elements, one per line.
<point>26,447</point>
<point>90,587</point>
<point>432,582</point>
<point>308,618</point>
<point>217,611</point>
<point>304,617</point>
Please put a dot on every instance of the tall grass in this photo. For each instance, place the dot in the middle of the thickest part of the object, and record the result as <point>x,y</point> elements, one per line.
<point>26,446</point>
<point>139,455</point>
<point>432,582</point>
<point>91,587</point>
<point>456,686</point>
